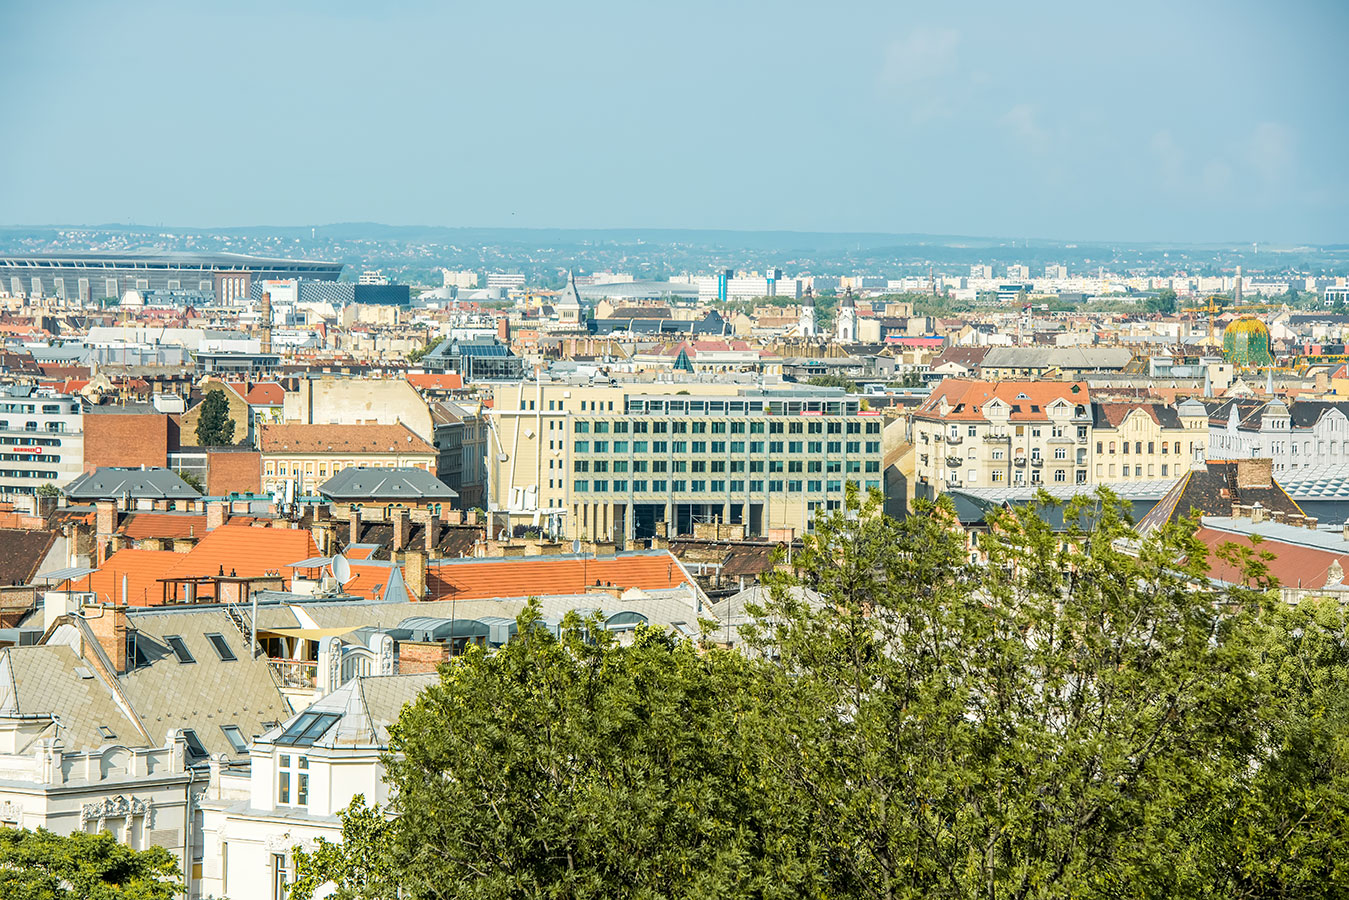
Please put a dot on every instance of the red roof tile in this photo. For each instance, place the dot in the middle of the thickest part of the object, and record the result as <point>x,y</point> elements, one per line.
<point>447,381</point>
<point>248,551</point>
<point>478,579</point>
<point>142,569</point>
<point>340,439</point>
<point>144,526</point>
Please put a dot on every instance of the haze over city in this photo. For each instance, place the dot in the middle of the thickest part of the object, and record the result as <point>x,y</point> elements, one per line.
<point>1160,122</point>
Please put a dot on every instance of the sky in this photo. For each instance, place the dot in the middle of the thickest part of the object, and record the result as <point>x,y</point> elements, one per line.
<point>1178,121</point>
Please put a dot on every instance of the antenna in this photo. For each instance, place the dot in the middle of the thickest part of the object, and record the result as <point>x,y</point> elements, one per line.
<point>341,569</point>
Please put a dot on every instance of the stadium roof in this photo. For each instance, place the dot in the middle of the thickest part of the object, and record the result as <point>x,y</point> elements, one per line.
<point>144,259</point>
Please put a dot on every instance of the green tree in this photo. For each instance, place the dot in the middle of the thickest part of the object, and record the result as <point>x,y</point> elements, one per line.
<point>836,381</point>
<point>47,489</point>
<point>40,865</point>
<point>571,766</point>
<point>1164,302</point>
<point>1044,727</point>
<point>215,427</point>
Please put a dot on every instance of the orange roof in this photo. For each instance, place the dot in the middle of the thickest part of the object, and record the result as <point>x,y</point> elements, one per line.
<point>446,381</point>
<point>248,551</point>
<point>1029,400</point>
<point>343,439</point>
<point>269,394</point>
<point>142,526</point>
<point>479,579</point>
<point>142,568</point>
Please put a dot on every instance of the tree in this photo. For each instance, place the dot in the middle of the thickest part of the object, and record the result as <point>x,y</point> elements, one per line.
<point>835,381</point>
<point>1045,727</point>
<point>41,865</point>
<point>1164,302</point>
<point>47,489</point>
<point>193,482</point>
<point>566,765</point>
<point>215,427</point>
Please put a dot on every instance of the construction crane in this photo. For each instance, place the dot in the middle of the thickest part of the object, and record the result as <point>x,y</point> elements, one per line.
<point>1214,305</point>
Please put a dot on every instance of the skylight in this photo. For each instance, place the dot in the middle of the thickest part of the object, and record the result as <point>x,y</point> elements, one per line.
<point>195,748</point>
<point>222,649</point>
<point>179,649</point>
<point>236,738</point>
<point>307,729</point>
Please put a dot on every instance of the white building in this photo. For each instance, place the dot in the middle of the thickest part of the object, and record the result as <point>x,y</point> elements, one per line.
<point>505,281</point>
<point>1305,434</point>
<point>460,279</point>
<point>41,439</point>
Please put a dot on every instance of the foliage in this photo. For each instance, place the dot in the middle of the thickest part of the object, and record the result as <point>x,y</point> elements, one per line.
<point>215,427</point>
<point>193,482</point>
<point>834,381</point>
<point>415,356</point>
<point>41,865</point>
<point>1164,302</point>
<point>47,489</point>
<point>1054,711</point>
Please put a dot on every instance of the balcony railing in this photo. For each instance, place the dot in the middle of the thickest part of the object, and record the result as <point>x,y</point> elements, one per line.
<point>1019,462</point>
<point>1037,462</point>
<point>998,438</point>
<point>296,673</point>
<point>955,439</point>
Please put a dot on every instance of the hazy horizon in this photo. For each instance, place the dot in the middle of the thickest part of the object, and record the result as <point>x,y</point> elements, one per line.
<point>1217,123</point>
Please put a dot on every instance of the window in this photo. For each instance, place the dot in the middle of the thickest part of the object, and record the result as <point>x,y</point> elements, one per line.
<point>235,737</point>
<point>1060,475</point>
<point>194,745</point>
<point>292,780</point>
<point>179,649</point>
<point>106,733</point>
<point>307,728</point>
<point>280,876</point>
<point>222,649</point>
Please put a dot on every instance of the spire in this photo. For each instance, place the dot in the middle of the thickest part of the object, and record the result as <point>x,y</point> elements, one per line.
<point>810,297</point>
<point>848,302</point>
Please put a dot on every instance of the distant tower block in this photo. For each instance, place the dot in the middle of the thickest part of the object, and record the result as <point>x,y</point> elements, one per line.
<point>1236,288</point>
<point>846,332</point>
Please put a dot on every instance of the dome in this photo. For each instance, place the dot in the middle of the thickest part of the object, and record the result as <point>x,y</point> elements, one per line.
<point>1246,342</point>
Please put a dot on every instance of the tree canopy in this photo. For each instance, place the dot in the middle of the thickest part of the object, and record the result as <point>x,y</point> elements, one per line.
<point>41,865</point>
<point>1044,712</point>
<point>215,427</point>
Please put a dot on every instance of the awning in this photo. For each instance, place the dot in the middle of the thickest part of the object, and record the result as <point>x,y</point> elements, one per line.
<point>315,562</point>
<point>313,634</point>
<point>67,574</point>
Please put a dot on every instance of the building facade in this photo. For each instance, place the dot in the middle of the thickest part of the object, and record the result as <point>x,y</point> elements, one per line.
<point>308,455</point>
<point>41,439</point>
<point>622,463</point>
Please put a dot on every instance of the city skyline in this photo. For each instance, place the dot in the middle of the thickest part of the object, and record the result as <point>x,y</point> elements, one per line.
<point>1207,124</point>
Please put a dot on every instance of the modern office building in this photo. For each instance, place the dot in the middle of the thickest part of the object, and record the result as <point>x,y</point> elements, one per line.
<point>41,439</point>
<point>643,460</point>
<point>94,276</point>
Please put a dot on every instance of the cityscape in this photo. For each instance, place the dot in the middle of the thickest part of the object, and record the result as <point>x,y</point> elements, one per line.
<point>678,537</point>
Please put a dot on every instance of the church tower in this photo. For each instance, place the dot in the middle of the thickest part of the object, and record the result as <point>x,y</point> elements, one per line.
<point>807,326</point>
<point>846,333</point>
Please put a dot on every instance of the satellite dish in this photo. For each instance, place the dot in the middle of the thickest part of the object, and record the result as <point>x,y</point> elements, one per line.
<point>341,569</point>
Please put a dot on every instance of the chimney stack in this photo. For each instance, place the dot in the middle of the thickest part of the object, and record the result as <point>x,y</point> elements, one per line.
<point>1255,474</point>
<point>400,529</point>
<point>217,513</point>
<point>414,574</point>
<point>354,526</point>
<point>432,532</point>
<point>110,630</point>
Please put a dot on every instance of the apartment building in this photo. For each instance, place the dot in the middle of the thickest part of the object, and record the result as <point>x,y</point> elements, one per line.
<point>634,461</point>
<point>1301,434</point>
<point>1016,434</point>
<point>1143,441</point>
<point>41,439</point>
<point>309,455</point>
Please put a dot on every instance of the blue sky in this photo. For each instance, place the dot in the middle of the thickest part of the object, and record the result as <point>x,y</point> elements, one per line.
<point>1149,121</point>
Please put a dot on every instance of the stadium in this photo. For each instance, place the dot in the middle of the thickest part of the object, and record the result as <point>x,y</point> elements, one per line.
<point>94,276</point>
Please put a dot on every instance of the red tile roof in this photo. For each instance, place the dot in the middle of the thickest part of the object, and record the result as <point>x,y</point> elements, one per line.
<point>1293,565</point>
<point>1030,400</point>
<point>478,579</point>
<point>447,381</point>
<point>343,439</point>
<point>142,568</point>
<point>144,526</point>
<point>248,551</point>
<point>269,394</point>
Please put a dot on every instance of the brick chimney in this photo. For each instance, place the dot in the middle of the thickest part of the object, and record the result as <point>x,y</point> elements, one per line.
<point>414,574</point>
<point>353,526</point>
<point>217,513</point>
<point>432,532</point>
<point>401,527</point>
<point>1255,474</point>
<point>110,630</point>
<point>105,517</point>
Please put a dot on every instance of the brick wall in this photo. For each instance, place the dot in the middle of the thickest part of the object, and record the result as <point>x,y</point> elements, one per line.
<point>417,658</point>
<point>130,439</point>
<point>231,471</point>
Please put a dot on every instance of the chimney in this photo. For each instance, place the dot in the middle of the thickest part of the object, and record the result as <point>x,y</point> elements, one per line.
<point>105,517</point>
<point>504,330</point>
<point>400,529</point>
<point>1255,474</point>
<point>432,532</point>
<point>1257,513</point>
<point>110,630</point>
<point>265,318</point>
<point>354,526</point>
<point>414,574</point>
<point>217,513</point>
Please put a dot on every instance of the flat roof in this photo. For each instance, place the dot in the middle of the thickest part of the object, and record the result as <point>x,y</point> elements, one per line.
<point>140,258</point>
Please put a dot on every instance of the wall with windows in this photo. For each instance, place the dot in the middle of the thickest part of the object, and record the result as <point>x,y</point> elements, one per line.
<point>41,439</point>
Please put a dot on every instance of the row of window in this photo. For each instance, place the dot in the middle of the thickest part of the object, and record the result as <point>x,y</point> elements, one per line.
<point>756,447</point>
<point>715,486</point>
<point>731,427</point>
<point>715,466</point>
<point>52,427</point>
<point>1138,447</point>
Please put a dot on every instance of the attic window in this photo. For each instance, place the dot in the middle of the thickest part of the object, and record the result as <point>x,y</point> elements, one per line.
<point>307,729</point>
<point>106,733</point>
<point>179,649</point>
<point>195,748</point>
<point>1034,408</point>
<point>222,649</point>
<point>1022,396</point>
<point>235,737</point>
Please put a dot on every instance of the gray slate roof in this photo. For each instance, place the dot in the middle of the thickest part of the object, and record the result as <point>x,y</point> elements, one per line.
<point>360,483</point>
<point>112,483</point>
<point>52,679</point>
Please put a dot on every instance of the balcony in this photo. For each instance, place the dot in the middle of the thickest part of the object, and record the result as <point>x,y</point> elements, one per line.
<point>997,438</point>
<point>955,483</point>
<point>1019,462</point>
<point>1037,462</point>
<point>954,461</point>
<point>955,439</point>
<point>1063,439</point>
<point>296,673</point>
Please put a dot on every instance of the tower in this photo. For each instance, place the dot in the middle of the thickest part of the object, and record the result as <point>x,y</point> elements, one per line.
<point>265,321</point>
<point>807,326</point>
<point>1236,289</point>
<point>847,319</point>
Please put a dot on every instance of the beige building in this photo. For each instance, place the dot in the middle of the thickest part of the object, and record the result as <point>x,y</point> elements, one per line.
<point>359,401</point>
<point>1142,441</point>
<point>309,455</point>
<point>631,462</point>
<point>1008,434</point>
